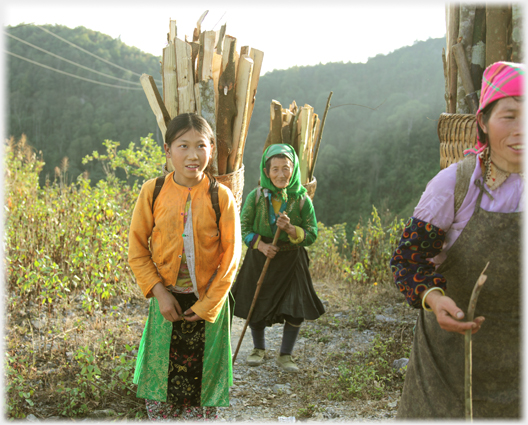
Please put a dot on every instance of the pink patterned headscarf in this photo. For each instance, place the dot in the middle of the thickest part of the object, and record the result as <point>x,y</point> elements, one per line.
<point>500,79</point>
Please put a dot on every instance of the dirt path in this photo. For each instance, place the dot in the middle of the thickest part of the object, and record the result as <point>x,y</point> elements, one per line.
<point>265,393</point>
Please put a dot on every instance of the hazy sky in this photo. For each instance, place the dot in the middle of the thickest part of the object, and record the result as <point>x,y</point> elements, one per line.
<point>297,34</point>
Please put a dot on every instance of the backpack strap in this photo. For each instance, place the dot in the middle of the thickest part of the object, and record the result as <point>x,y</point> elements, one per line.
<point>464,172</point>
<point>301,204</point>
<point>160,181</point>
<point>213,191</point>
<point>259,190</point>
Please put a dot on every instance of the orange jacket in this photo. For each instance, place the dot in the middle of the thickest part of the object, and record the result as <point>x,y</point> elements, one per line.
<point>213,251</point>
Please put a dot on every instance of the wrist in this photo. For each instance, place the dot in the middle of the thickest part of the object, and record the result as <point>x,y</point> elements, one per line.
<point>430,296</point>
<point>158,290</point>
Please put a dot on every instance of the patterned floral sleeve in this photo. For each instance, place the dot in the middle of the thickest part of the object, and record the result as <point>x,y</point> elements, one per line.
<point>413,272</point>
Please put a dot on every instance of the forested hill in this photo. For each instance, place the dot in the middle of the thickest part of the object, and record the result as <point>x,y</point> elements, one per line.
<point>382,157</point>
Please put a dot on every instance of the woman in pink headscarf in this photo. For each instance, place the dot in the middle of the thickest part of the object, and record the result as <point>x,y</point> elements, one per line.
<point>468,215</point>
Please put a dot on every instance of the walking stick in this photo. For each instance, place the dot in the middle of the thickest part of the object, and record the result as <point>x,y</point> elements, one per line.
<point>259,284</point>
<point>468,364</point>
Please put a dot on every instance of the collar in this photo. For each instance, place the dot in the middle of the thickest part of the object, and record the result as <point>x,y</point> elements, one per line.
<point>203,185</point>
<point>494,176</point>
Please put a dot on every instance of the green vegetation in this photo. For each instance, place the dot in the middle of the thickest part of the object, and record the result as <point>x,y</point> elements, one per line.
<point>73,310</point>
<point>381,156</point>
<point>69,336</point>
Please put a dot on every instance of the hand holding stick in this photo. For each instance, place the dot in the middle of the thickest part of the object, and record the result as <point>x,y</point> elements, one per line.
<point>257,290</point>
<point>468,365</point>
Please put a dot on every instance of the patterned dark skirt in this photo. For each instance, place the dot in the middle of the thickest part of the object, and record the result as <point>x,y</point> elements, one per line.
<point>287,288</point>
<point>184,364</point>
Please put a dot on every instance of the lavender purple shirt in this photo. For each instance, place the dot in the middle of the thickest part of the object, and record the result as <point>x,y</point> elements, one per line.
<point>436,205</point>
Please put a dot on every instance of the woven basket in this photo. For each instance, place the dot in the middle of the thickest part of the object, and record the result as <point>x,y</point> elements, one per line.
<point>310,188</point>
<point>456,133</point>
<point>234,181</point>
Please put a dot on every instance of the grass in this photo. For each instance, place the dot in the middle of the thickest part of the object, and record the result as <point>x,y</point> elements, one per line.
<point>74,315</point>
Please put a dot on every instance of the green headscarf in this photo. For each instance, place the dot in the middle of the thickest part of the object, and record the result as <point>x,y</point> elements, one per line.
<point>294,188</point>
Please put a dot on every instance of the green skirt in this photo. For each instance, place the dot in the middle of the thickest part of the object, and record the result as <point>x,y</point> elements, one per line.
<point>157,357</point>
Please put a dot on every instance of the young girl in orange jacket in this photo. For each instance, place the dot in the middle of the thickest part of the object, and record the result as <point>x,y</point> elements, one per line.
<point>185,261</point>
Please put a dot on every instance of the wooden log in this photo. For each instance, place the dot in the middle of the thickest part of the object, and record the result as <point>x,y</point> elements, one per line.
<point>195,51</point>
<point>228,50</point>
<point>313,138</point>
<point>219,40</point>
<point>206,58</point>
<point>287,119</point>
<point>517,33</point>
<point>242,87</point>
<point>465,38</point>
<point>170,81</point>
<point>208,111</point>
<point>320,135</point>
<point>257,57</point>
<point>286,133</point>
<point>296,132</point>
<point>478,50</point>
<point>304,143</point>
<point>226,110</point>
<point>275,122</point>
<point>453,19</point>
<point>446,79</point>
<point>184,74</point>
<point>198,30</point>
<point>497,20</point>
<point>199,60</point>
<point>156,102</point>
<point>465,29</point>
<point>171,36</point>
<point>453,72</point>
<point>465,76</point>
<point>217,68</point>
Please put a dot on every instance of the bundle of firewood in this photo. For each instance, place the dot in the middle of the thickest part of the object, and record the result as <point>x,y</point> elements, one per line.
<point>302,129</point>
<point>209,77</point>
<point>477,36</point>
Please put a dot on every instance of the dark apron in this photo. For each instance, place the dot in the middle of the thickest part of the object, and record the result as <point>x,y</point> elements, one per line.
<point>434,383</point>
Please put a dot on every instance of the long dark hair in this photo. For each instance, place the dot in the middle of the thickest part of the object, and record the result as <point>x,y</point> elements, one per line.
<point>182,123</point>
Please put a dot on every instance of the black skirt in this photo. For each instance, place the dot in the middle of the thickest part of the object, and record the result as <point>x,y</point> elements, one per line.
<point>287,288</point>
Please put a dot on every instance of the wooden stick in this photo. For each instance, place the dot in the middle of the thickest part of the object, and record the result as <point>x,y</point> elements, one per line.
<point>478,50</point>
<point>155,102</point>
<point>320,136</point>
<point>170,81</point>
<point>220,39</point>
<point>257,290</point>
<point>242,94</point>
<point>184,75</point>
<point>275,122</point>
<point>226,108</point>
<point>257,57</point>
<point>517,33</point>
<point>497,18</point>
<point>207,110</point>
<point>465,75</point>
<point>453,19</point>
<point>172,31</point>
<point>197,31</point>
<point>446,79</point>
<point>468,364</point>
<point>306,120</point>
<point>453,72</point>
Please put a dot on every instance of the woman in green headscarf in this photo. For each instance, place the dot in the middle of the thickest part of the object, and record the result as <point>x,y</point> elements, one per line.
<point>287,294</point>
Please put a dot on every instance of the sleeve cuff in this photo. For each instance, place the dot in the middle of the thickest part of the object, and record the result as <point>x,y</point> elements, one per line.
<point>300,235</point>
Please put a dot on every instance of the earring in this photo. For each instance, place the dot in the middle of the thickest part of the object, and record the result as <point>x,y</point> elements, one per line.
<point>486,157</point>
